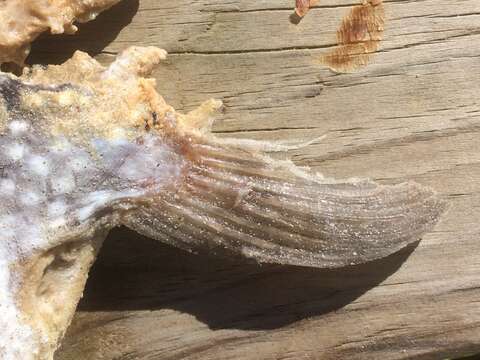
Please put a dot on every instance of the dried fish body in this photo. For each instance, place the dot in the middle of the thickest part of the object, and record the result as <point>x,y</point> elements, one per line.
<point>21,21</point>
<point>87,148</point>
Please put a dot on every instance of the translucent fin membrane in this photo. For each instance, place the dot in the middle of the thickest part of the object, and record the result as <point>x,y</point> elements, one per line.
<point>237,200</point>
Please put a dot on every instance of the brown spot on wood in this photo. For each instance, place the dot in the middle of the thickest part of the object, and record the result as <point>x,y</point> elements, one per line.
<point>358,37</point>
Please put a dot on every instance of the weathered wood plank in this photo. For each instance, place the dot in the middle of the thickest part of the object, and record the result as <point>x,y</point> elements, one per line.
<point>413,113</point>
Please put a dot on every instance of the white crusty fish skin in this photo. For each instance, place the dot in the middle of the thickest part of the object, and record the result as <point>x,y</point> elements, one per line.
<point>86,148</point>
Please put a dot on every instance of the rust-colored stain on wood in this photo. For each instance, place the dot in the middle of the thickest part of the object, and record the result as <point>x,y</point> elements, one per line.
<point>302,6</point>
<point>358,37</point>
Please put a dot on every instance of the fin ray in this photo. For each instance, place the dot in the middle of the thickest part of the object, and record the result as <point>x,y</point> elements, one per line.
<point>238,200</point>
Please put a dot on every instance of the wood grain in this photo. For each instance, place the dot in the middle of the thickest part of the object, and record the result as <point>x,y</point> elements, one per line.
<point>412,113</point>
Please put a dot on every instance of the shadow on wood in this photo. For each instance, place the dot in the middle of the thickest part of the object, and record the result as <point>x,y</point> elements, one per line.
<point>56,49</point>
<point>136,273</point>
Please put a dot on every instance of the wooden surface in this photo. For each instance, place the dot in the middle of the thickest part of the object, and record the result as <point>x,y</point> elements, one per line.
<point>413,113</point>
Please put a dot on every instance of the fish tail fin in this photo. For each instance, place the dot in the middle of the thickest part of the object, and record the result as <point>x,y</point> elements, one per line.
<point>239,200</point>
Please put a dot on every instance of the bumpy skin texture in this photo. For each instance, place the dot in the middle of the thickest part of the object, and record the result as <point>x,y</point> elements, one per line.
<point>85,148</point>
<point>21,21</point>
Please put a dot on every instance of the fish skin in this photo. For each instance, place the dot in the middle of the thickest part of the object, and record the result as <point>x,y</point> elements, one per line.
<point>22,21</point>
<point>87,148</point>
